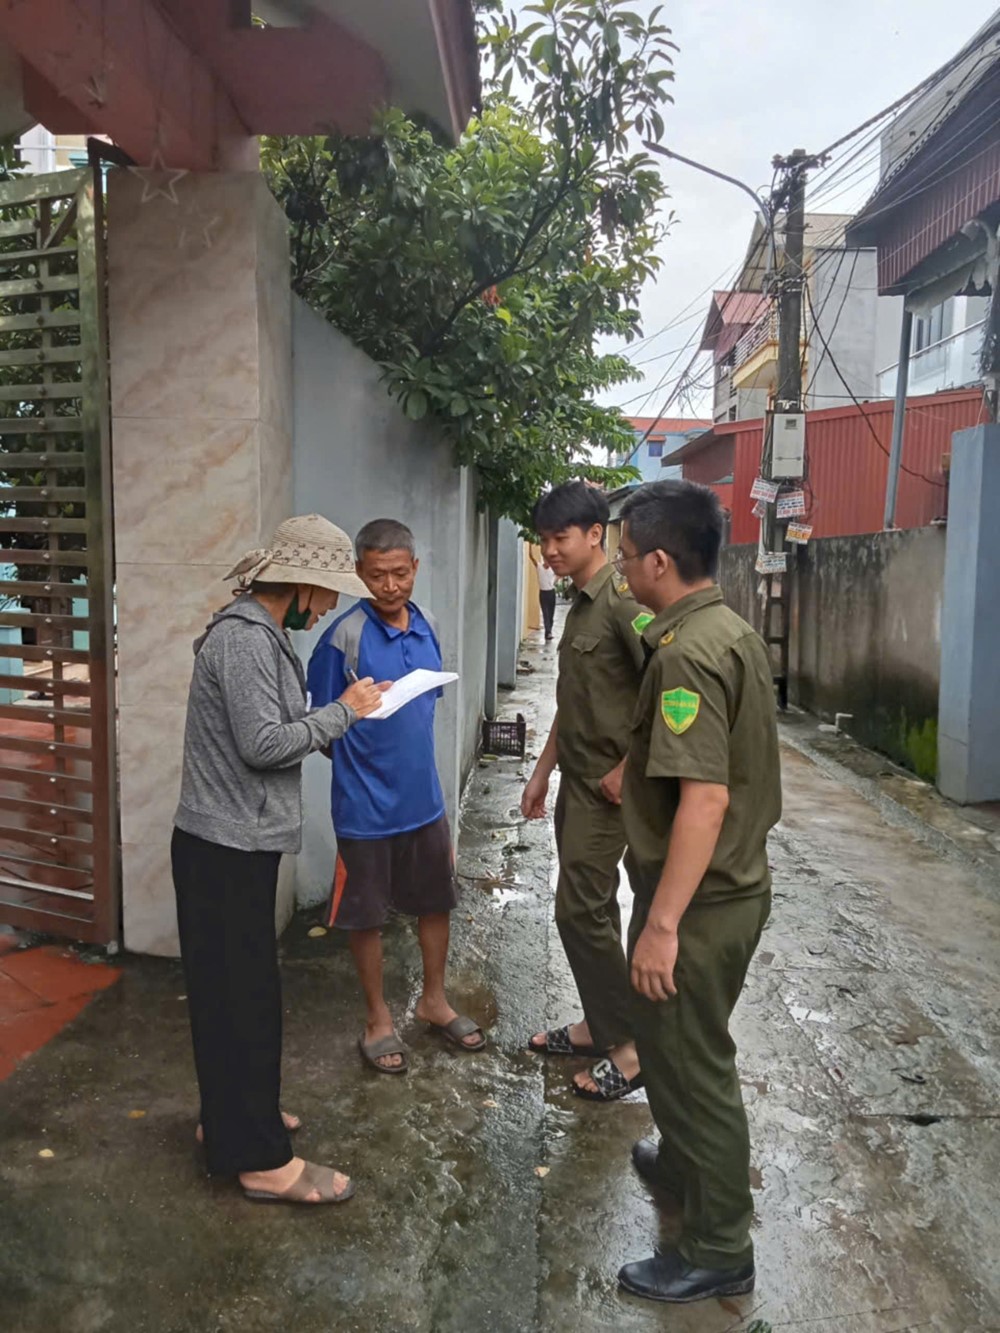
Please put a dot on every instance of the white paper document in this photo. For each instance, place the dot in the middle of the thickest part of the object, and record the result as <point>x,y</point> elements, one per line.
<point>411,687</point>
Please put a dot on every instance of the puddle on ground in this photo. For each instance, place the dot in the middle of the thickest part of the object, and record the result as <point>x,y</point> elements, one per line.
<point>802,1013</point>
<point>502,891</point>
<point>502,897</point>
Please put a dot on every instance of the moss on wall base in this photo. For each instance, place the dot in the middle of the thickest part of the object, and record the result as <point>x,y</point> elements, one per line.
<point>919,745</point>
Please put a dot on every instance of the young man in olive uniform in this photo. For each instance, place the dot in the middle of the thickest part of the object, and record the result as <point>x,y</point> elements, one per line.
<point>600,663</point>
<point>702,790</point>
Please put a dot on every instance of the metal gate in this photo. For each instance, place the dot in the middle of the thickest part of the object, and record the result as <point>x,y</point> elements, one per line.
<point>58,802</point>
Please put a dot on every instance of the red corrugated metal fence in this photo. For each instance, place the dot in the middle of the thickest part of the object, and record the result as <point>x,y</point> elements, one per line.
<point>848,463</point>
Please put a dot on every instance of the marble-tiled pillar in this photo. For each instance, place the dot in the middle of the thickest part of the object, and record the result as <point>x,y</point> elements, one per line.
<point>200,332</point>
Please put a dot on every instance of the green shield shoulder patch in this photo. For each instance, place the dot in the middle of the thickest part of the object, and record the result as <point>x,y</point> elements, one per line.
<point>679,708</point>
<point>641,621</point>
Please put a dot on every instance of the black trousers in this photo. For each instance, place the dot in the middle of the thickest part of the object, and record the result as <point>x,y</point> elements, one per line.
<point>225,915</point>
<point>548,603</point>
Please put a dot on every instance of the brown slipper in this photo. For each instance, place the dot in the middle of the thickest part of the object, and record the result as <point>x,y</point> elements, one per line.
<point>458,1028</point>
<point>314,1179</point>
<point>390,1045</point>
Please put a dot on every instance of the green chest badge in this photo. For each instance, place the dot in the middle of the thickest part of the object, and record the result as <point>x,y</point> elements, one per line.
<point>679,708</point>
<point>641,621</point>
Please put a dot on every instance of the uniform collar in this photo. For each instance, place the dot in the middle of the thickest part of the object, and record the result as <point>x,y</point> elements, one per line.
<point>593,588</point>
<point>669,618</point>
<point>417,623</point>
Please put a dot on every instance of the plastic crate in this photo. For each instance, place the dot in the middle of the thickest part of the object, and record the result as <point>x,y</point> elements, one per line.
<point>505,737</point>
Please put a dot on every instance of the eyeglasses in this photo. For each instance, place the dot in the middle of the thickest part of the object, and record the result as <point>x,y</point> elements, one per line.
<point>621,560</point>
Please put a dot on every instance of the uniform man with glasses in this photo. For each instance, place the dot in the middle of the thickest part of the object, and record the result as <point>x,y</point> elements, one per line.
<point>702,790</point>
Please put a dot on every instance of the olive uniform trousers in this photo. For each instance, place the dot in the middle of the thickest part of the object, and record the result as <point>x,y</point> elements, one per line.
<point>688,1059</point>
<point>590,836</point>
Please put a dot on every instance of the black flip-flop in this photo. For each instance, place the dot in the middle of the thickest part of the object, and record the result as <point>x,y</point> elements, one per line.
<point>611,1083</point>
<point>557,1042</point>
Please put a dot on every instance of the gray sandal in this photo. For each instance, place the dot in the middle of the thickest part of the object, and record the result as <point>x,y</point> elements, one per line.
<point>390,1045</point>
<point>314,1179</point>
<point>458,1028</point>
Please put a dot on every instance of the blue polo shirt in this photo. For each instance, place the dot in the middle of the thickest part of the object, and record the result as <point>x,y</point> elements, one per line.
<point>385,779</point>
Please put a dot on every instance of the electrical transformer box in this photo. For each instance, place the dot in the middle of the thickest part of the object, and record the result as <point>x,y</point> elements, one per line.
<point>788,453</point>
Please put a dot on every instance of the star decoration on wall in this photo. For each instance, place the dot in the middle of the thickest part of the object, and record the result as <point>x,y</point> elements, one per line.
<point>93,86</point>
<point>152,177</point>
<point>197,229</point>
<point>96,88</point>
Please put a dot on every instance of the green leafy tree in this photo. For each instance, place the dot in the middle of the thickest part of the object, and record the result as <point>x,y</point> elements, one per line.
<point>481,276</point>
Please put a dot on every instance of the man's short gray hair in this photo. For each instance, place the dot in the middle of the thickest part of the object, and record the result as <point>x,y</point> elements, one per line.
<point>384,534</point>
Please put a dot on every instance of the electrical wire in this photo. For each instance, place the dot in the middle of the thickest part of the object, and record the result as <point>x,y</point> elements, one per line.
<point>682,317</point>
<point>764,239</point>
<point>854,399</point>
<point>837,176</point>
<point>931,81</point>
<point>831,190</point>
<point>660,356</point>
<point>834,175</point>
<point>840,311</point>
<point>929,184</point>
<point>674,323</point>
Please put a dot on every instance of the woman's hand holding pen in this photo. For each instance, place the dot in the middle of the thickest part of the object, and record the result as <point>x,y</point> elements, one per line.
<point>364,696</point>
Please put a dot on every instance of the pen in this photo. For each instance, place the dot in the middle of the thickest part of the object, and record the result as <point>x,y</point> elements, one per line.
<point>352,676</point>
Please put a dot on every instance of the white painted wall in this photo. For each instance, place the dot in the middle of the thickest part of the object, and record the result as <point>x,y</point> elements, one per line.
<point>856,323</point>
<point>510,608</point>
<point>357,457</point>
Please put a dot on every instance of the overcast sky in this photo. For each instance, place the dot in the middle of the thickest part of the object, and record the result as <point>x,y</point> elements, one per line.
<point>753,80</point>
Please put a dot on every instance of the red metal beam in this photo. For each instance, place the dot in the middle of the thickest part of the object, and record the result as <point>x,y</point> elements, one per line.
<point>117,67</point>
<point>455,29</point>
<point>309,80</point>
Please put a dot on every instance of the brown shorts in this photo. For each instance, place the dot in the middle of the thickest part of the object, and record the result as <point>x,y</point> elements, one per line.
<point>412,872</point>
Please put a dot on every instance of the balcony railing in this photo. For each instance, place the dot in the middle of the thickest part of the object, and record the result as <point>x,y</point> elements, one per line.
<point>948,364</point>
<point>759,335</point>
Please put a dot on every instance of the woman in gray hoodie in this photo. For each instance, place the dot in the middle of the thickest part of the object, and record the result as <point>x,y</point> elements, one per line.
<point>248,729</point>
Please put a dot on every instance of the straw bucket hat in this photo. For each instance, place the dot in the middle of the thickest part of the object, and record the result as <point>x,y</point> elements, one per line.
<point>308,549</point>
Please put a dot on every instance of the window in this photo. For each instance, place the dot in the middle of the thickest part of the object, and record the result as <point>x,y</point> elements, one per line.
<point>930,329</point>
<point>656,448</point>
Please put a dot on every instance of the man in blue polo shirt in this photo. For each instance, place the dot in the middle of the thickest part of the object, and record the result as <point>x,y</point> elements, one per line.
<point>393,841</point>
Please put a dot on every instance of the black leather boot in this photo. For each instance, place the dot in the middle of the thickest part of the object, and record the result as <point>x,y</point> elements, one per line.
<point>669,1277</point>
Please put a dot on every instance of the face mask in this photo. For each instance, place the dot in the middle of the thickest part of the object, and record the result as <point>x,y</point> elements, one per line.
<point>294,618</point>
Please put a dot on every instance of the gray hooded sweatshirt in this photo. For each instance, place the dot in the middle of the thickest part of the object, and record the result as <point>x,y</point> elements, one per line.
<point>247,733</point>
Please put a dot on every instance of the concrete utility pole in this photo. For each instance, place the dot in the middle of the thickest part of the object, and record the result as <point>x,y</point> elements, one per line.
<point>791,195</point>
<point>790,280</point>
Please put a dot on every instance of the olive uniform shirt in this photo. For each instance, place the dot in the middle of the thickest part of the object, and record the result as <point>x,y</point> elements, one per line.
<point>601,657</point>
<point>706,711</point>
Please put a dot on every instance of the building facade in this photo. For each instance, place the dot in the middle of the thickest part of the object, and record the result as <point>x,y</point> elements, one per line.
<point>152,417</point>
<point>846,328</point>
<point>934,220</point>
<point>655,439</point>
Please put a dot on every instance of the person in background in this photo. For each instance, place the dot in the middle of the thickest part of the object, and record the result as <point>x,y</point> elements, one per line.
<point>600,664</point>
<point>702,791</point>
<point>546,596</point>
<point>394,848</point>
<point>247,732</point>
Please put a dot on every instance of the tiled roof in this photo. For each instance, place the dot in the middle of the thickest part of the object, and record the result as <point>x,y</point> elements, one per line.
<point>667,425</point>
<point>728,315</point>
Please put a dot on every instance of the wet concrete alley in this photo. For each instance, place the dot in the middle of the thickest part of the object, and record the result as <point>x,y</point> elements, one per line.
<point>490,1199</point>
